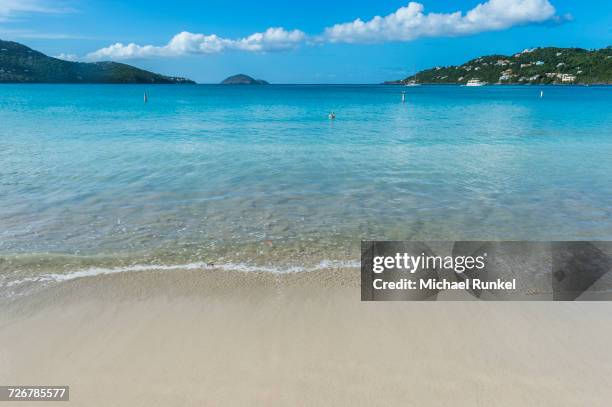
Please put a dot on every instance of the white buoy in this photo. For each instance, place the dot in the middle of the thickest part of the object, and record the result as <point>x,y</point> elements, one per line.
<point>403,97</point>
<point>146,98</point>
<point>541,94</point>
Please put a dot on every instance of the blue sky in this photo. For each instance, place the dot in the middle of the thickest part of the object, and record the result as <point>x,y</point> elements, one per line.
<point>301,42</point>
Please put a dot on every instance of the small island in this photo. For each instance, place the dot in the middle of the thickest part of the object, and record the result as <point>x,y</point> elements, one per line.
<point>20,64</point>
<point>242,79</point>
<point>535,66</point>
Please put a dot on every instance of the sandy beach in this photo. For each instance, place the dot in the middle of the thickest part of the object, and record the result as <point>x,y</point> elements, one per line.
<point>229,338</point>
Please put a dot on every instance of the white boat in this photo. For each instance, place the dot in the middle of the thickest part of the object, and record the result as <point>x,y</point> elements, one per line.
<point>475,82</point>
<point>412,83</point>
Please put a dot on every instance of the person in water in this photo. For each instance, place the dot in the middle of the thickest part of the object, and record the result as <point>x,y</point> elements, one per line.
<point>332,115</point>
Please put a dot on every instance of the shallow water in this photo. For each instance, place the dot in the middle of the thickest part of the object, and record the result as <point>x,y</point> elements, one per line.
<point>91,176</point>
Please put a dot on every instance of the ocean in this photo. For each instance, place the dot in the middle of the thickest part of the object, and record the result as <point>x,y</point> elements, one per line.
<point>257,178</point>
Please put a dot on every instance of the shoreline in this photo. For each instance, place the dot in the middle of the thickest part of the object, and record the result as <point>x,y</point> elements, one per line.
<point>178,281</point>
<point>28,273</point>
<point>578,85</point>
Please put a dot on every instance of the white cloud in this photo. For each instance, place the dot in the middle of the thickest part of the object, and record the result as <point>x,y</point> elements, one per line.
<point>405,24</point>
<point>67,57</point>
<point>184,43</point>
<point>12,8</point>
<point>411,22</point>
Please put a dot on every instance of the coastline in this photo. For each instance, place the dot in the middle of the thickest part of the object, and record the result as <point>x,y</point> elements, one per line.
<point>579,85</point>
<point>220,337</point>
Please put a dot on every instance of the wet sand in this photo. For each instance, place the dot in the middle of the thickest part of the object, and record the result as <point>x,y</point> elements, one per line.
<point>228,338</point>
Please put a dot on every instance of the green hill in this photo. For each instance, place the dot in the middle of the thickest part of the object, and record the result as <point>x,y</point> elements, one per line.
<point>532,66</point>
<point>20,64</point>
<point>242,79</point>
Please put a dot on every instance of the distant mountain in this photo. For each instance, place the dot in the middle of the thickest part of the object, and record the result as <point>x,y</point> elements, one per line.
<point>20,64</point>
<point>241,79</point>
<point>531,66</point>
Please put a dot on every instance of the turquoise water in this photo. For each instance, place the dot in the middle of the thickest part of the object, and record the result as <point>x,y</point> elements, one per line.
<point>90,175</point>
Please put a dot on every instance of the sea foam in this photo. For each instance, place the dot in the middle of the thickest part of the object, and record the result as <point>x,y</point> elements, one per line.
<point>240,267</point>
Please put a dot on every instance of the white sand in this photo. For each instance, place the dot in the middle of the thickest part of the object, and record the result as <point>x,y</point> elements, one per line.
<point>222,338</point>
